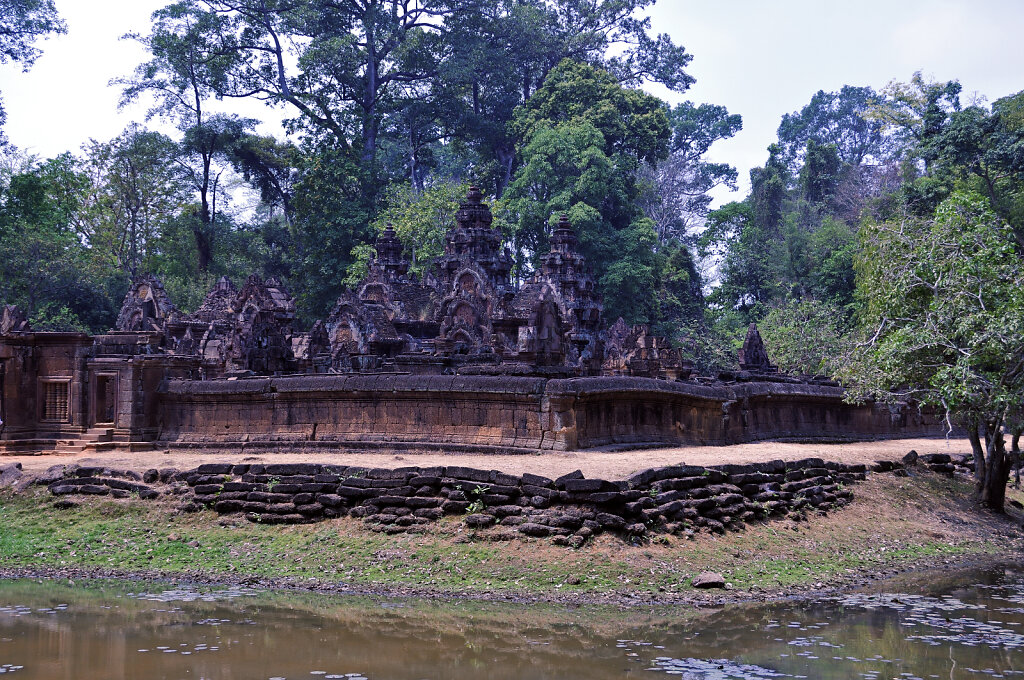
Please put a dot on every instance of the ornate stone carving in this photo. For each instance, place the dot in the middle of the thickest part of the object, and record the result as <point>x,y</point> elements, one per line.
<point>146,306</point>
<point>12,320</point>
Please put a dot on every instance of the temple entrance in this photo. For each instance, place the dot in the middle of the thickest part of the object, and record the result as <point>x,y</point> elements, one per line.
<point>105,399</point>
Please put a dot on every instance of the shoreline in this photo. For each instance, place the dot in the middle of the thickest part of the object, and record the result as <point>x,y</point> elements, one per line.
<point>891,525</point>
<point>696,598</point>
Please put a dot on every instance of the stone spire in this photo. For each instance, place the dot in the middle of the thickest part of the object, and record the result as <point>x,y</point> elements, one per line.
<point>472,239</point>
<point>389,255</point>
<point>753,356</point>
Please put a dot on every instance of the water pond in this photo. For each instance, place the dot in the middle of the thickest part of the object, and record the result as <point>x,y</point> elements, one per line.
<point>953,625</point>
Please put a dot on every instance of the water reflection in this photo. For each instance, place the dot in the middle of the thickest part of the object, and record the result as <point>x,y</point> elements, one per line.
<point>966,625</point>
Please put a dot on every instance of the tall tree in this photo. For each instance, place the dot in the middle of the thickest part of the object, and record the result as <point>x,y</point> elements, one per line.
<point>839,119</point>
<point>585,138</point>
<point>943,313</point>
<point>915,112</point>
<point>135,190</point>
<point>678,196</point>
<point>187,69</point>
<point>43,258</point>
<point>501,54</point>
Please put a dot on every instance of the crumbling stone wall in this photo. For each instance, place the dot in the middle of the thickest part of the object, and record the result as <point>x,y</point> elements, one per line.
<point>675,499</point>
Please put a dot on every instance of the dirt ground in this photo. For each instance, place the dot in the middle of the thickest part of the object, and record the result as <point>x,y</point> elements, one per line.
<point>594,464</point>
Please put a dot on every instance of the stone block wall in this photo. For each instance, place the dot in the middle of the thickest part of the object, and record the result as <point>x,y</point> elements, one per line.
<point>571,509</point>
<point>509,414</point>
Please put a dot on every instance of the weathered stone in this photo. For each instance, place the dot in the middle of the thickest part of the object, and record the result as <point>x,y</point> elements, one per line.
<point>574,475</point>
<point>454,507</point>
<point>586,485</point>
<point>479,521</point>
<point>534,530</point>
<point>214,469</point>
<point>536,481</point>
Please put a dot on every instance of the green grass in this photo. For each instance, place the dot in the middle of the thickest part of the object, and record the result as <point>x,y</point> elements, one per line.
<point>132,535</point>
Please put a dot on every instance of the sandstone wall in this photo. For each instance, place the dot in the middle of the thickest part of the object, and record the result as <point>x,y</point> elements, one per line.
<point>507,413</point>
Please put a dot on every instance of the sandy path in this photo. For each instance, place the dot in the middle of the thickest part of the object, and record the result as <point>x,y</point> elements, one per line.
<point>603,464</point>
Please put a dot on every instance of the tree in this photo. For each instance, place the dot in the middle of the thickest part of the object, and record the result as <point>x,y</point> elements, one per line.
<point>331,217</point>
<point>22,23</point>
<point>943,318</point>
<point>752,260</point>
<point>837,119</point>
<point>680,298</point>
<point>422,219</point>
<point>915,112</point>
<point>585,138</point>
<point>43,260</point>
<point>805,336</point>
<point>986,148</point>
<point>768,193</point>
<point>135,190</point>
<point>821,172</point>
<point>677,196</point>
<point>187,69</point>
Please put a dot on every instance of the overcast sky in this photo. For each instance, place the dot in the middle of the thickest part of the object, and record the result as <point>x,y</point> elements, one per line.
<point>759,58</point>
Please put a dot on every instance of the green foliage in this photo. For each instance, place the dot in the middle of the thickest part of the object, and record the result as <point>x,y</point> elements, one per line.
<point>820,174</point>
<point>135,191</point>
<point>680,288</point>
<point>43,261</point>
<point>831,250</point>
<point>54,318</point>
<point>331,218</point>
<point>634,124</point>
<point>677,190</point>
<point>806,337</point>
<point>943,318</point>
<point>22,23</point>
<point>839,120</point>
<point>914,112</point>
<point>585,137</point>
<point>356,272</point>
<point>711,346</point>
<point>944,300</point>
<point>421,218</point>
<point>752,265</point>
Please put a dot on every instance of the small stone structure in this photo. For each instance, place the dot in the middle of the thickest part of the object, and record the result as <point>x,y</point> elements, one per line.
<point>459,359</point>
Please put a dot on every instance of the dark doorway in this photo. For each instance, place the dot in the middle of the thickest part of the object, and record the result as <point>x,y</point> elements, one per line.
<point>106,399</point>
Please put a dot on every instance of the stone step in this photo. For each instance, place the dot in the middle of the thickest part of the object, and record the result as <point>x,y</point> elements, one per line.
<point>99,434</point>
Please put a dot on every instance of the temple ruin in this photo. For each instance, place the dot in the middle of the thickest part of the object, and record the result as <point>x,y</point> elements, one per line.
<point>458,359</point>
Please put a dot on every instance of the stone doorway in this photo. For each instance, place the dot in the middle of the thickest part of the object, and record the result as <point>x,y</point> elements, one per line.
<point>105,399</point>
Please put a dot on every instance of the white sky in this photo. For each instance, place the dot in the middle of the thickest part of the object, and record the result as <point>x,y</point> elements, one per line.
<point>759,58</point>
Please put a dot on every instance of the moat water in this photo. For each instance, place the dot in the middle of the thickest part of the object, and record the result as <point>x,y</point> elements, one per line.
<point>955,625</point>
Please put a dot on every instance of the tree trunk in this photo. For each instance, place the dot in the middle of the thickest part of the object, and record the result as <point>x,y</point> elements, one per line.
<point>979,453</point>
<point>1015,455</point>
<point>997,469</point>
<point>507,158</point>
<point>201,232</point>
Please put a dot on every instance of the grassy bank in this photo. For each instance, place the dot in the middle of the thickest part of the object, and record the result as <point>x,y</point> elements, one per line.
<point>893,523</point>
